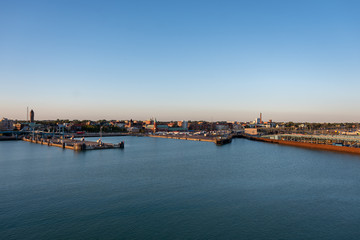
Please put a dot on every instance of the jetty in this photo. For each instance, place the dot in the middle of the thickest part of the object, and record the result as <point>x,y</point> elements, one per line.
<point>74,144</point>
<point>218,140</point>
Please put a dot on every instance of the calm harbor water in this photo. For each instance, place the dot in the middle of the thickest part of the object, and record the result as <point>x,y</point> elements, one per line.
<point>174,189</point>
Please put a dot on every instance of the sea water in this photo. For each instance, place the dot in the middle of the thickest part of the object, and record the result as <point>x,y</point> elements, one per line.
<point>176,189</point>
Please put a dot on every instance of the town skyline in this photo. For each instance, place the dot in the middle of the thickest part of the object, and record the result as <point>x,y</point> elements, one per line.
<point>265,118</point>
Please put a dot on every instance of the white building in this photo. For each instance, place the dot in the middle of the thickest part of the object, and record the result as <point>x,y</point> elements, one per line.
<point>133,129</point>
<point>120,125</point>
<point>221,127</point>
<point>184,124</point>
<point>6,124</point>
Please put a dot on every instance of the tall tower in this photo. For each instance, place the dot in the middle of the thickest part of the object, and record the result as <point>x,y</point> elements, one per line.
<point>261,118</point>
<point>32,116</point>
<point>155,126</point>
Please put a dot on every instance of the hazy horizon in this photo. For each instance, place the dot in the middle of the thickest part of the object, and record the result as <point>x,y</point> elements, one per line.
<point>181,60</point>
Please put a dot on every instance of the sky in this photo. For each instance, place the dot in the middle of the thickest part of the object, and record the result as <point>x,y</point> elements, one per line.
<point>181,60</point>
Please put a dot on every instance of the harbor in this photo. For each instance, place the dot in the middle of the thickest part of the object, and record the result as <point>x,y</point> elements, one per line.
<point>339,143</point>
<point>94,187</point>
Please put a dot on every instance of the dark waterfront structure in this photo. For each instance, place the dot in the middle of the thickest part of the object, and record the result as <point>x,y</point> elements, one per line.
<point>32,116</point>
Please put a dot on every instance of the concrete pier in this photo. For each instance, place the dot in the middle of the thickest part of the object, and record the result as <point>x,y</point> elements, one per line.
<point>76,145</point>
<point>192,138</point>
<point>217,140</point>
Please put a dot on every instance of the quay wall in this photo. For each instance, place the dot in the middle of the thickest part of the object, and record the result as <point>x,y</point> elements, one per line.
<point>76,144</point>
<point>98,134</point>
<point>308,145</point>
<point>9,138</point>
<point>49,144</point>
<point>185,138</point>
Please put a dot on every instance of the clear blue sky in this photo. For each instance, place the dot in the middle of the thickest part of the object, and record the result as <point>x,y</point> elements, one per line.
<point>212,60</point>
